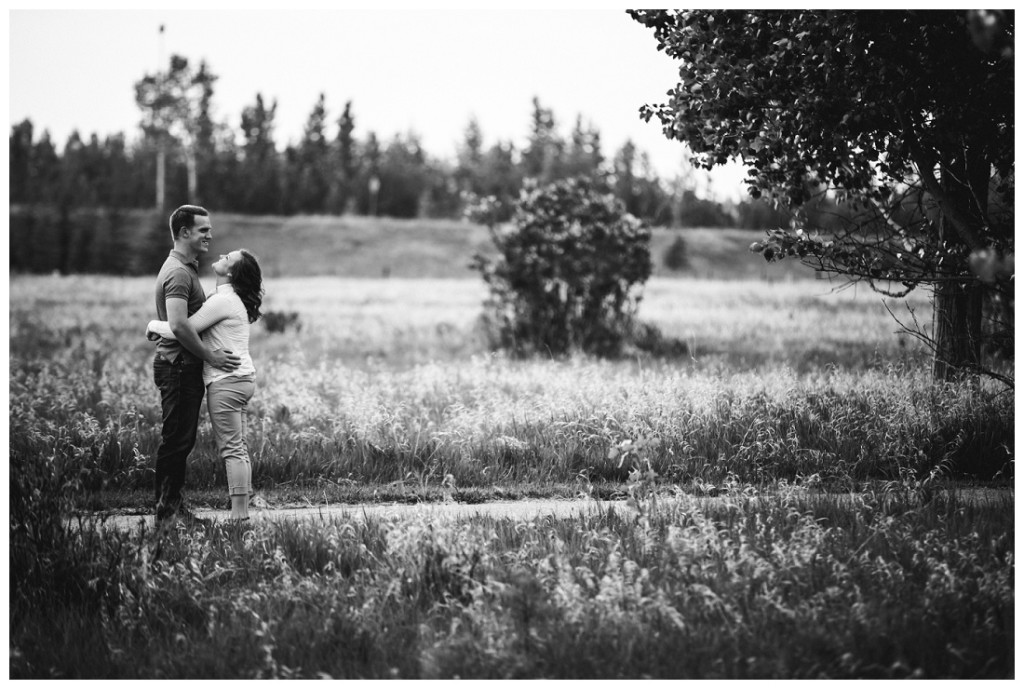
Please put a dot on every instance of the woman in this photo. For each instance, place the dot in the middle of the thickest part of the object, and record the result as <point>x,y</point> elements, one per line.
<point>224,323</point>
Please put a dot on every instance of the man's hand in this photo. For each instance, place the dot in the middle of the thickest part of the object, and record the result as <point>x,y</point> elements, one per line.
<point>224,359</point>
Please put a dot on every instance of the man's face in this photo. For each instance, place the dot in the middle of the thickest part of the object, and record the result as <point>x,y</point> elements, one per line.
<point>200,234</point>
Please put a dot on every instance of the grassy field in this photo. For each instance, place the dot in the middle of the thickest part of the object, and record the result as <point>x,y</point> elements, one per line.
<point>780,398</point>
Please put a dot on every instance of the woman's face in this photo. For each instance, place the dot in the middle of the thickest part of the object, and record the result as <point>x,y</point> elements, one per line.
<point>224,265</point>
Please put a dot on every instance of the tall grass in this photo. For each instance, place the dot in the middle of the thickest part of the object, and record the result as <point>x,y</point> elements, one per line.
<point>789,586</point>
<point>784,398</point>
<point>80,387</point>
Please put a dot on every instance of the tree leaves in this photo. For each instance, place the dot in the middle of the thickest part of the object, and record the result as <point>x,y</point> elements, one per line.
<point>822,88</point>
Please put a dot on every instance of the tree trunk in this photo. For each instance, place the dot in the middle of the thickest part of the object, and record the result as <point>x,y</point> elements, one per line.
<point>958,304</point>
<point>957,311</point>
<point>193,178</point>
<point>161,157</point>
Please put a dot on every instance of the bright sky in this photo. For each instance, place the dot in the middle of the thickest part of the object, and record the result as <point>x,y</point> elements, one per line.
<point>424,71</point>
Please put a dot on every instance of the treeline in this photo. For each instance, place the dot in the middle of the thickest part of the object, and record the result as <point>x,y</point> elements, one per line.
<point>332,171</point>
<point>182,154</point>
<point>45,239</point>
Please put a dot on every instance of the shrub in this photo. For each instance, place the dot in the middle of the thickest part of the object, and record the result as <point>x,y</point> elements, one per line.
<point>676,256</point>
<point>279,321</point>
<point>568,269</point>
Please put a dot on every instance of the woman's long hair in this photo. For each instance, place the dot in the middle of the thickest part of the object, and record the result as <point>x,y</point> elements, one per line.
<point>247,279</point>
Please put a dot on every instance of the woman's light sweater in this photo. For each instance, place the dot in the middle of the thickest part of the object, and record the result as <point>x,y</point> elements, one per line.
<point>224,325</point>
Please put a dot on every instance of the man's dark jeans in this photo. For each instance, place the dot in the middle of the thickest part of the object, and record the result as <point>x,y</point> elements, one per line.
<point>181,396</point>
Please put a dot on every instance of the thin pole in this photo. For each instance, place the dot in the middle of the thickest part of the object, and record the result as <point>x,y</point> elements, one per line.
<point>161,153</point>
<point>160,49</point>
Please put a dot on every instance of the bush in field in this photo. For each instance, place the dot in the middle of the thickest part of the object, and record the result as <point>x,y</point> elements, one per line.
<point>676,256</point>
<point>567,273</point>
<point>279,321</point>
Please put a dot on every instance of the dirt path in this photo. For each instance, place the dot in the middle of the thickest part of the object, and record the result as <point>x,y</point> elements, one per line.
<point>439,512</point>
<point>436,512</point>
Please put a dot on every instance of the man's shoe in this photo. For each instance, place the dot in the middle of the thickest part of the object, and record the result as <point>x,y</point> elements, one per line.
<point>166,515</point>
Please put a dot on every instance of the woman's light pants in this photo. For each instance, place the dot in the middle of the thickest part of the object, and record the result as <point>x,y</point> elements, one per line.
<point>227,400</point>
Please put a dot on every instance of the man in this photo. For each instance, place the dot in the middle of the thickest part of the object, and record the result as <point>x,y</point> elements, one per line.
<point>178,365</point>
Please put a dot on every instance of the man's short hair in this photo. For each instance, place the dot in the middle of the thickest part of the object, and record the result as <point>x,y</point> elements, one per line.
<point>184,217</point>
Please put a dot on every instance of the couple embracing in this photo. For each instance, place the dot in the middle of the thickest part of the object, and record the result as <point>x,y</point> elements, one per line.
<point>202,347</point>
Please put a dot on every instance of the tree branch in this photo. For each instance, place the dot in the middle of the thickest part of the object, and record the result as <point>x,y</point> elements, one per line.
<point>924,166</point>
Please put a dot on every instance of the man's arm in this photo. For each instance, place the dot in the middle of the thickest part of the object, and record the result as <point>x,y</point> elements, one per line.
<point>185,333</point>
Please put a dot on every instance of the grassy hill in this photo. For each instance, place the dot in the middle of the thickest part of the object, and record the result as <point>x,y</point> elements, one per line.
<point>88,240</point>
<point>374,247</point>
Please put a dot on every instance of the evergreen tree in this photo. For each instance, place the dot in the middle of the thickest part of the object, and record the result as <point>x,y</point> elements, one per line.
<point>309,172</point>
<point>368,189</point>
<point>291,180</point>
<point>260,165</point>
<point>501,177</point>
<point>468,173</point>
<point>118,188</point>
<point>225,187</point>
<point>20,166</point>
<point>403,178</point>
<point>624,184</point>
<point>584,158</point>
<point>542,159</point>
<point>343,173</point>
<point>203,172</point>
<point>634,183</point>
<point>75,174</point>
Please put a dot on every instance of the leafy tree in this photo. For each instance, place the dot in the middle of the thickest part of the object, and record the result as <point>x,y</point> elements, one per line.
<point>568,270</point>
<point>906,116</point>
<point>175,109</point>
